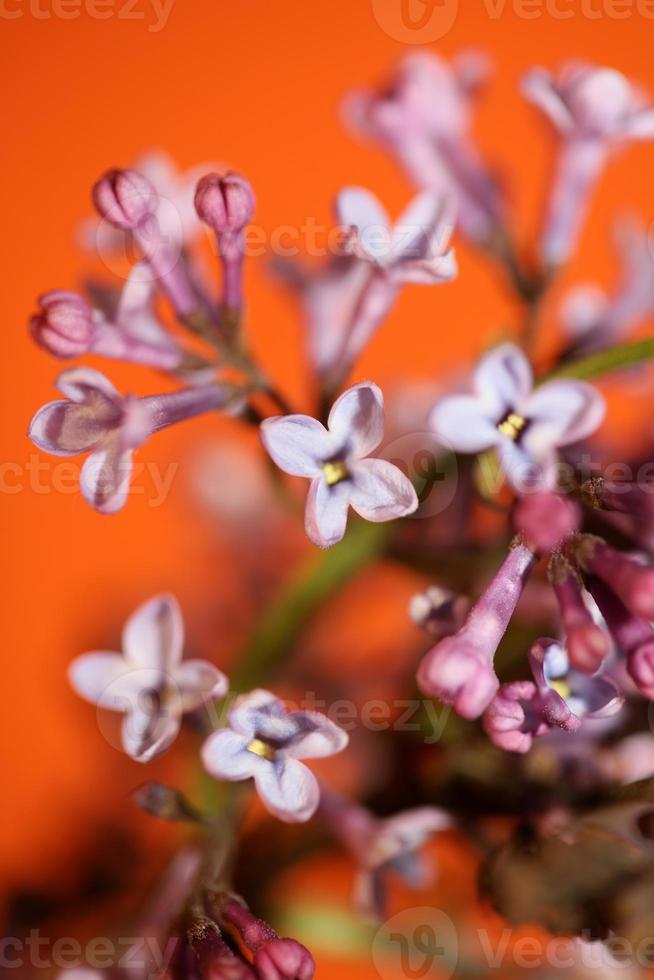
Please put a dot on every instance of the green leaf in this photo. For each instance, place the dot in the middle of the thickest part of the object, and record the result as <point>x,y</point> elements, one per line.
<point>613,359</point>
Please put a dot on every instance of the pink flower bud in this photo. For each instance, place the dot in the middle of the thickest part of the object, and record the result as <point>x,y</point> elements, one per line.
<point>125,198</point>
<point>587,644</point>
<point>225,203</point>
<point>64,324</point>
<point>284,959</point>
<point>631,581</point>
<point>545,519</point>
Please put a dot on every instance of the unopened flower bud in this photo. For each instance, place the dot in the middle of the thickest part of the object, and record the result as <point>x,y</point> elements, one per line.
<point>64,324</point>
<point>438,611</point>
<point>544,519</point>
<point>284,959</point>
<point>125,198</point>
<point>632,581</point>
<point>225,203</point>
<point>164,802</point>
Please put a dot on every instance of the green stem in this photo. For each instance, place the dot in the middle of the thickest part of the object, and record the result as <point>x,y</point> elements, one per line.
<point>273,640</point>
<point>612,359</point>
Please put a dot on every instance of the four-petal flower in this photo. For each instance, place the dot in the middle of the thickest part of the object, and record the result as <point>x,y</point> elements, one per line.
<point>336,461</point>
<point>265,743</point>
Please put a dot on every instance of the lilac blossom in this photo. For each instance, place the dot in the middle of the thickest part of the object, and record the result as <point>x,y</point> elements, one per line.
<point>273,958</point>
<point>148,682</point>
<point>439,611</point>
<point>94,418</point>
<point>594,110</point>
<point>424,119</point>
<point>383,845</point>
<point>459,669</point>
<point>558,697</point>
<point>66,326</point>
<point>336,460</point>
<point>526,425</point>
<point>265,743</point>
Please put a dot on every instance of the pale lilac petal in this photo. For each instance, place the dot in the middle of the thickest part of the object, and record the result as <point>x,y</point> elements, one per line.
<point>357,419</point>
<point>538,86</point>
<point>425,272</point>
<point>415,824</point>
<point>316,738</point>
<point>63,428</point>
<point>528,466</point>
<point>422,230</point>
<point>503,379</point>
<point>380,491</point>
<point>325,515</point>
<point>563,412</point>
<point>296,443</point>
<point>197,682</point>
<point>225,756</point>
<point>289,790</point>
<point>148,730</point>
<point>104,478</point>
<point>641,125</point>
<point>462,423</point>
<point>359,209</point>
<point>153,636</point>
<point>81,383</point>
<point>601,696</point>
<point>261,714</point>
<point>93,673</point>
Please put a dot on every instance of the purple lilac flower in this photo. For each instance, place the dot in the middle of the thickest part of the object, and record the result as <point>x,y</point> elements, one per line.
<point>265,743</point>
<point>94,418</point>
<point>148,682</point>
<point>526,425</point>
<point>336,460</point>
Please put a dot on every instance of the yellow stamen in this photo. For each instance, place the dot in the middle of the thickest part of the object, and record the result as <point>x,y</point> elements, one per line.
<point>512,425</point>
<point>258,747</point>
<point>562,688</point>
<point>335,472</point>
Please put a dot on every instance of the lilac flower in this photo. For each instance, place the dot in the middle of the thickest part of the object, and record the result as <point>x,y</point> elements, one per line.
<point>594,110</point>
<point>336,460</point>
<point>594,319</point>
<point>439,611</point>
<point>96,419</point>
<point>265,743</point>
<point>558,697</point>
<point>412,250</point>
<point>66,326</point>
<point>424,119</point>
<point>273,958</point>
<point>524,424</point>
<point>459,669</point>
<point>382,846</point>
<point>148,682</point>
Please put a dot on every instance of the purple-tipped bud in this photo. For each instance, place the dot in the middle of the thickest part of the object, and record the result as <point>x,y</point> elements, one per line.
<point>508,721</point>
<point>459,669</point>
<point>631,581</point>
<point>545,519</point>
<point>216,961</point>
<point>125,198</point>
<point>633,634</point>
<point>587,644</point>
<point>438,611</point>
<point>635,499</point>
<point>284,959</point>
<point>225,203</point>
<point>64,324</point>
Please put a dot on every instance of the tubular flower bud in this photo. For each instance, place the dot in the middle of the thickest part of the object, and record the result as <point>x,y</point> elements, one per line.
<point>64,325</point>
<point>225,203</point>
<point>624,496</point>
<point>630,580</point>
<point>125,198</point>
<point>633,634</point>
<point>545,519</point>
<point>588,645</point>
<point>273,958</point>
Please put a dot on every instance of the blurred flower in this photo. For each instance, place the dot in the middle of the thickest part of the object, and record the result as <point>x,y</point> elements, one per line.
<point>336,461</point>
<point>265,743</point>
<point>98,420</point>
<point>526,425</point>
<point>438,611</point>
<point>587,643</point>
<point>383,845</point>
<point>594,110</point>
<point>424,119</point>
<point>148,682</point>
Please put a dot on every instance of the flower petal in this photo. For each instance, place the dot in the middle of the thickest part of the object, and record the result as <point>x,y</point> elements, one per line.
<point>462,423</point>
<point>104,478</point>
<point>225,756</point>
<point>503,379</point>
<point>316,738</point>
<point>358,208</point>
<point>289,790</point>
<point>198,682</point>
<point>153,636</point>
<point>93,673</point>
<point>357,419</point>
<point>641,125</point>
<point>325,514</point>
<point>297,443</point>
<point>562,412</point>
<point>260,713</point>
<point>64,428</point>
<point>423,229</point>
<point>380,491</point>
<point>148,730</point>
<point>83,383</point>
<point>538,86</point>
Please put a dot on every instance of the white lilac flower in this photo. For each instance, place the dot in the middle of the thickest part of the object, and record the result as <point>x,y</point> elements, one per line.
<point>526,425</point>
<point>148,682</point>
<point>336,460</point>
<point>265,743</point>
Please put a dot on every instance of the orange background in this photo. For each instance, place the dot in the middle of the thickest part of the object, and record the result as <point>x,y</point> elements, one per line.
<point>257,84</point>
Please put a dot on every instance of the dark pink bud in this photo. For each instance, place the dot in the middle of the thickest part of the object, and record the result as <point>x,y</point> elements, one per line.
<point>633,582</point>
<point>633,634</point>
<point>125,198</point>
<point>545,519</point>
<point>284,959</point>
<point>225,203</point>
<point>215,960</point>
<point>587,644</point>
<point>64,324</point>
<point>635,499</point>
